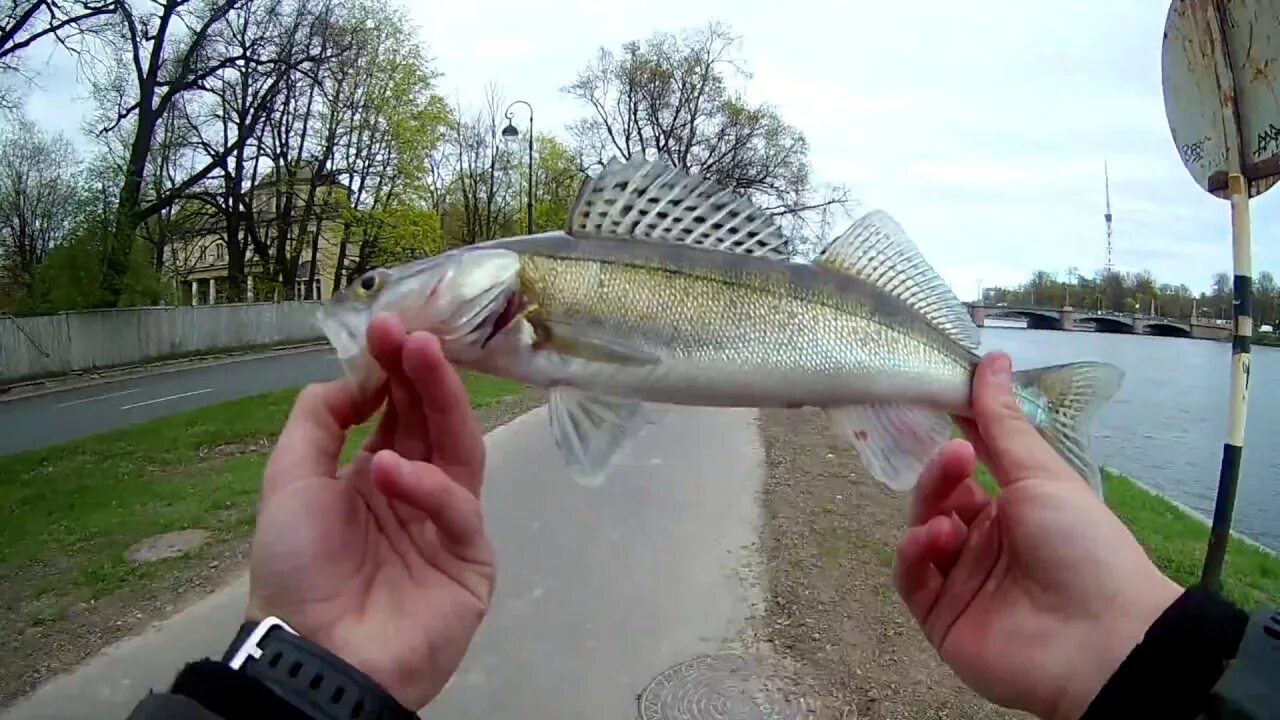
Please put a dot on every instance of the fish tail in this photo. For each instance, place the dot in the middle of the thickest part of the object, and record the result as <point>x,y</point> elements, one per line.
<point>1061,401</point>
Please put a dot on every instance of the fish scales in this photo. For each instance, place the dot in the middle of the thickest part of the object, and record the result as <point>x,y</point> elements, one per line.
<point>705,309</point>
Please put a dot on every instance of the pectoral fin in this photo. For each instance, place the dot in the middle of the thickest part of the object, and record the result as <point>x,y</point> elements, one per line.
<point>894,442</point>
<point>591,430</point>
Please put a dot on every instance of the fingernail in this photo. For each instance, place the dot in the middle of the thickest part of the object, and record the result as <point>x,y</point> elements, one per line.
<point>1001,368</point>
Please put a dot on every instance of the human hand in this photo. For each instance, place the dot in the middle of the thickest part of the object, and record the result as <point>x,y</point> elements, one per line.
<point>1034,597</point>
<point>384,562</point>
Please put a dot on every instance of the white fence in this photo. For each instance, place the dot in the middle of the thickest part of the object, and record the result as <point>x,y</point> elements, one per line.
<point>45,345</point>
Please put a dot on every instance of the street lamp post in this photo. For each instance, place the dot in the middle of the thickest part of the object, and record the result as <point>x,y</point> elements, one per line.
<point>510,132</point>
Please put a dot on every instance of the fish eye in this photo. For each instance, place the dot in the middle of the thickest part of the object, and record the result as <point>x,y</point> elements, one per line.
<point>369,284</point>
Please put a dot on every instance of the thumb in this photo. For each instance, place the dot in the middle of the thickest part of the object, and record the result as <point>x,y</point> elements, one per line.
<point>1015,449</point>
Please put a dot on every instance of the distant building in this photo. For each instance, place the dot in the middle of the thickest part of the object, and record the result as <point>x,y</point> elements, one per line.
<point>196,258</point>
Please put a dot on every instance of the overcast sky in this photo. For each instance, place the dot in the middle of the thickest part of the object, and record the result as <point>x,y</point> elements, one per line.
<point>984,133</point>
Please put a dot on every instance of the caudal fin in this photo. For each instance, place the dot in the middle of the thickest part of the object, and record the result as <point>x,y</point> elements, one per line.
<point>1061,400</point>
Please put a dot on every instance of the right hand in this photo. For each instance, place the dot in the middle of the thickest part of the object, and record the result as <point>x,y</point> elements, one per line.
<point>1036,596</point>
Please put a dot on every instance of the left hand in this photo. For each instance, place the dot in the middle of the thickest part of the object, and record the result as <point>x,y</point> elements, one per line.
<point>384,562</point>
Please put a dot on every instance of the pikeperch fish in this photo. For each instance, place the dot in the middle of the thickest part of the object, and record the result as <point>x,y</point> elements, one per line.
<point>667,288</point>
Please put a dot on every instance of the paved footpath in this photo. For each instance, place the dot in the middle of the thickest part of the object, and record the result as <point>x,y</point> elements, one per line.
<point>598,590</point>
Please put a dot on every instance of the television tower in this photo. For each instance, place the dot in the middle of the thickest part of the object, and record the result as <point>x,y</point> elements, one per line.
<point>1106,179</point>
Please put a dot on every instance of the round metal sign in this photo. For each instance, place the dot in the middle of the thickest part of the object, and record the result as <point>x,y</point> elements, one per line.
<point>1221,74</point>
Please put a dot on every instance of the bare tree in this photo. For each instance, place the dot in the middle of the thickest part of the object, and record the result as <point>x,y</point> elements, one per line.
<point>172,52</point>
<point>389,124</point>
<point>486,189</point>
<point>232,122</point>
<point>36,194</point>
<point>24,23</point>
<point>670,97</point>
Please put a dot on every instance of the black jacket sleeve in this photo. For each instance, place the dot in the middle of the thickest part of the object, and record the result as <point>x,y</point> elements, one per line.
<point>1172,672</point>
<point>211,690</point>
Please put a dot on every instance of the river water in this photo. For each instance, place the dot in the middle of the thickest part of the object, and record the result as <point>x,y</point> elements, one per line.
<point>1166,425</point>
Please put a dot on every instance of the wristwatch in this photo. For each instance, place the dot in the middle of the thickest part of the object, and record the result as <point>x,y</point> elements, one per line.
<point>308,676</point>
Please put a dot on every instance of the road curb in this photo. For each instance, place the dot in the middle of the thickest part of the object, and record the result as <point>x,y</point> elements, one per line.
<point>63,383</point>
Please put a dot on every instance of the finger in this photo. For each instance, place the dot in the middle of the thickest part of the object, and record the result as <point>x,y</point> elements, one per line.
<point>946,541</point>
<point>972,568</point>
<point>385,337</point>
<point>384,435</point>
<point>917,581</point>
<point>455,435</point>
<point>1017,451</point>
<point>453,509</point>
<point>412,438</point>
<point>943,478</point>
<point>974,436</point>
<point>926,555</point>
<point>404,426</point>
<point>311,442</point>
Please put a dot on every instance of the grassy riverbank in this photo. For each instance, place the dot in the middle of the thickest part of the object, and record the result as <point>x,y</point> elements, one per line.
<point>1266,339</point>
<point>1176,541</point>
<point>68,514</point>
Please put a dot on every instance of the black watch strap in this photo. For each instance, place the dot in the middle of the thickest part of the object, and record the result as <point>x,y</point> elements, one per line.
<point>1250,687</point>
<point>314,680</point>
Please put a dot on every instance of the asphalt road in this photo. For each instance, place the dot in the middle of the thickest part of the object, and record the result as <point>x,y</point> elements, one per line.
<point>599,590</point>
<point>56,417</point>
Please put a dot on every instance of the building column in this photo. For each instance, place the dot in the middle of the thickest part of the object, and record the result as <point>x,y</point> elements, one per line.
<point>194,292</point>
<point>213,289</point>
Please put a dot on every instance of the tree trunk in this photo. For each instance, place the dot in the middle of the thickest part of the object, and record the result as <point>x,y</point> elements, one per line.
<point>126,219</point>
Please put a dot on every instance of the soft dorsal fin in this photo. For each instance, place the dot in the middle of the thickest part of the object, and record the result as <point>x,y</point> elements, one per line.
<point>650,200</point>
<point>876,249</point>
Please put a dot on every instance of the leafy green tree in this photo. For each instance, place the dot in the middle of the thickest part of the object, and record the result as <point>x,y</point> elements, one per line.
<point>37,184</point>
<point>557,174</point>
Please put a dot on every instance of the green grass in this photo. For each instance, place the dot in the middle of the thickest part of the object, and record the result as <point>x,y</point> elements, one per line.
<point>1266,339</point>
<point>72,510</point>
<point>1176,541</point>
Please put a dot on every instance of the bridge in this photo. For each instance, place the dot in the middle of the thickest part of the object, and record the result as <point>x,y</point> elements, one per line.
<point>1069,318</point>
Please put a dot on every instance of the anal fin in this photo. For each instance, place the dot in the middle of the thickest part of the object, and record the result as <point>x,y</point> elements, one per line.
<point>591,430</point>
<point>894,442</point>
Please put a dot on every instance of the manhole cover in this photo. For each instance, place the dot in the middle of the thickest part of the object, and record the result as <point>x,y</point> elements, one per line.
<point>718,687</point>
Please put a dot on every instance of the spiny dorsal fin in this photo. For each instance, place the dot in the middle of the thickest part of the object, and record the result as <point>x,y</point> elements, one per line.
<point>877,250</point>
<point>650,200</point>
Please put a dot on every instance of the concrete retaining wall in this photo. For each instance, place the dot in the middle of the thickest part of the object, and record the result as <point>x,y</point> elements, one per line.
<point>67,342</point>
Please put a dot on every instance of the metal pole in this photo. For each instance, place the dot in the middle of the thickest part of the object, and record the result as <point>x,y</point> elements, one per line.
<point>510,131</point>
<point>530,198</point>
<point>1241,341</point>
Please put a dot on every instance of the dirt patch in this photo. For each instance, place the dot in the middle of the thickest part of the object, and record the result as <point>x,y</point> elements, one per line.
<point>237,448</point>
<point>829,541</point>
<point>50,634</point>
<point>168,545</point>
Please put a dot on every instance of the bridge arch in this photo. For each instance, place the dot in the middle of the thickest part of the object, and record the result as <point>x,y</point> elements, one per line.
<point>1164,329</point>
<point>1104,324</point>
<point>1035,320</point>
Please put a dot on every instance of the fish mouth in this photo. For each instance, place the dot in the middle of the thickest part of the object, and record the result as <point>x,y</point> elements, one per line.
<point>509,312</point>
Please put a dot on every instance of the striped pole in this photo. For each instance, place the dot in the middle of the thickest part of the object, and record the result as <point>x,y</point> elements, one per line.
<point>1241,341</point>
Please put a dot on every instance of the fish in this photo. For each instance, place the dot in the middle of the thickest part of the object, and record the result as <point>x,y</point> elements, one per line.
<point>666,288</point>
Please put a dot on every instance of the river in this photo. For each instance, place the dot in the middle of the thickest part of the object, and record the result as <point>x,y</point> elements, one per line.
<point>1166,425</point>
